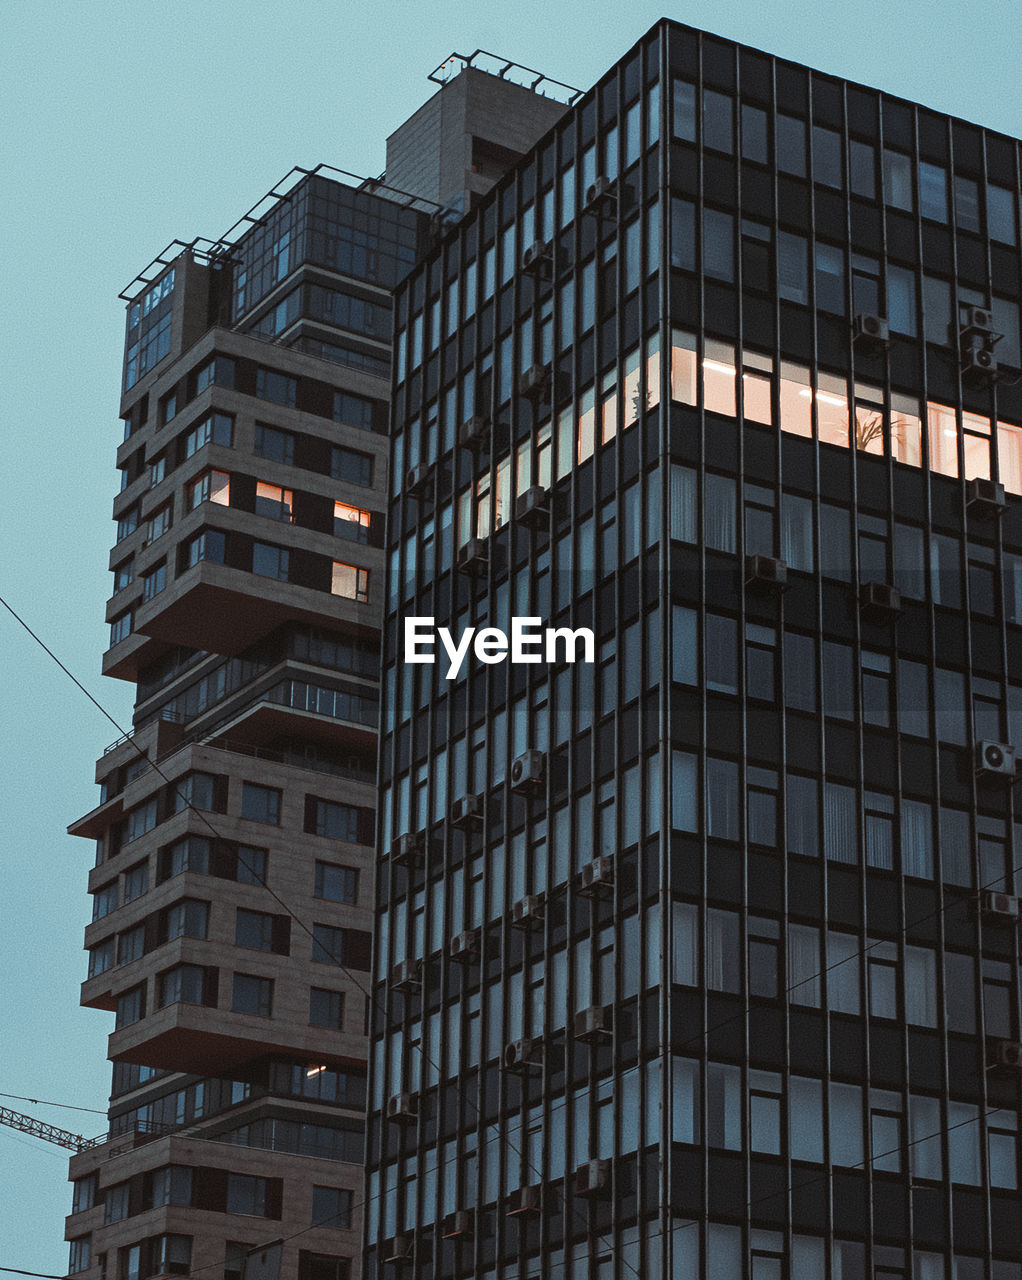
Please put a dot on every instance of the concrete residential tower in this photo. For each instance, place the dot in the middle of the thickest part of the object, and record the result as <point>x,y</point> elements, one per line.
<point>701,959</point>
<point>234,884</point>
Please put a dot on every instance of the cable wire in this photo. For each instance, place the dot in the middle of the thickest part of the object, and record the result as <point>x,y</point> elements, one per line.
<point>41,1102</point>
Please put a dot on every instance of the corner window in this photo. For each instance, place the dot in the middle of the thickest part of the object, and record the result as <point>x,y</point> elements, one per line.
<point>218,372</point>
<point>274,502</point>
<point>211,486</point>
<point>351,523</point>
<point>184,984</point>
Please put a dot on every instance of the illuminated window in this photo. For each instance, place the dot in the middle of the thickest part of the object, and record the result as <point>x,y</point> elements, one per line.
<point>906,430</point>
<point>1009,456</point>
<point>796,400</point>
<point>632,403</point>
<point>683,367</point>
<point>756,387</point>
<point>976,445</point>
<point>869,419</point>
<point>350,581</point>
<point>832,409</point>
<point>351,523</point>
<point>211,486</point>
<point>273,501</point>
<point>719,378</point>
<point>587,422</point>
<point>943,438</point>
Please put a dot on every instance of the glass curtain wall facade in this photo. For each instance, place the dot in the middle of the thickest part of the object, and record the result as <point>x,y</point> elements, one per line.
<point>701,959</point>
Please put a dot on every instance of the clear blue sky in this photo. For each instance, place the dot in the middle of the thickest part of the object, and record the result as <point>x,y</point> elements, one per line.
<point>129,125</point>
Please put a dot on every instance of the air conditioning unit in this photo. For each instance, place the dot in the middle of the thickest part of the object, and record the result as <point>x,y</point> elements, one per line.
<point>528,1199</point>
<point>1000,908</point>
<point>465,947</point>
<point>879,601</point>
<point>522,1055</point>
<point>527,771</point>
<point>995,760</point>
<point>871,331</point>
<point>978,362</point>
<point>474,431</point>
<point>596,877</point>
<point>601,196</point>
<point>418,478</point>
<point>403,1108</point>
<point>978,320</point>
<point>409,850</point>
<point>1007,1056</point>
<point>405,976</point>
<point>533,508</point>
<point>457,1224</point>
<point>593,1178</point>
<point>528,913</point>
<point>398,1250</point>
<point>764,573</point>
<point>534,382</point>
<point>537,257</point>
<point>985,498</point>
<point>592,1026</point>
<point>473,557</point>
<point>467,811</point>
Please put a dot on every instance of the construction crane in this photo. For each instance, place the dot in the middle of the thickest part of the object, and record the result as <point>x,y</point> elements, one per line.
<point>48,1132</point>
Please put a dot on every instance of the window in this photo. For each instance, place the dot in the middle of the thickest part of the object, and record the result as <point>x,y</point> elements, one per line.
<point>124,575</point>
<point>120,628</point>
<point>260,931</point>
<point>80,1257</point>
<point>184,984</point>
<point>136,881</point>
<point>127,523</point>
<point>157,471</point>
<point>172,1254</point>
<point>218,372</point>
<point>251,994</point>
<point>101,957</point>
<point>154,581</point>
<point>350,581</point>
<point>131,945</point>
<point>192,853</point>
<point>84,1193</point>
<point>322,1266</point>
<point>269,561</point>
<point>188,918</point>
<point>250,865</point>
<point>217,428</point>
<point>159,523</point>
<point>140,820</point>
<point>326,1008</point>
<point>260,804</point>
<point>196,791</point>
<point>273,502</point>
<point>330,818</point>
<point>130,1007</point>
<point>352,467</point>
<point>335,883</point>
<point>351,523</point>
<point>354,411</point>
<point>211,486</point>
<point>104,900</point>
<point>348,947</point>
<point>331,1207</point>
<point>277,387</point>
<point>246,1194</point>
<point>209,545</point>
<point>278,446</point>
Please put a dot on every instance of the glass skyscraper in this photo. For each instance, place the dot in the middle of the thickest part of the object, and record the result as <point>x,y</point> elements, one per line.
<point>700,959</point>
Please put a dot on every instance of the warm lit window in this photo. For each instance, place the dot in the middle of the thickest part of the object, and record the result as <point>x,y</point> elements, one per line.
<point>211,486</point>
<point>350,581</point>
<point>719,377</point>
<point>351,522</point>
<point>976,445</point>
<point>683,367</point>
<point>273,501</point>
<point>832,409</point>
<point>1009,456</point>
<point>756,387</point>
<point>943,438</point>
